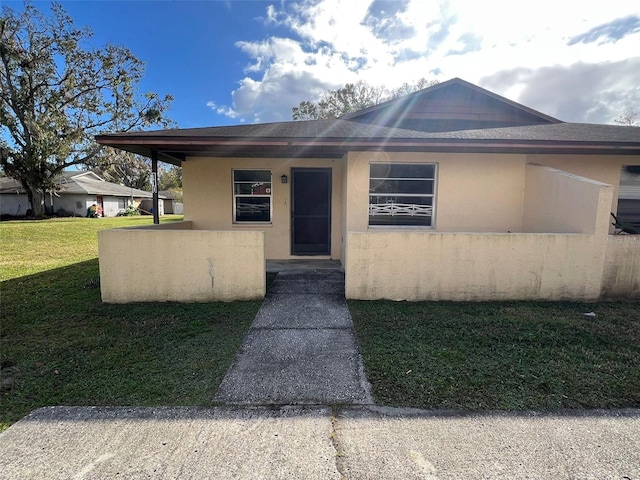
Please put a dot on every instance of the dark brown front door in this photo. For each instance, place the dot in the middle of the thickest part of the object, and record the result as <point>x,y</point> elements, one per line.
<point>311,211</point>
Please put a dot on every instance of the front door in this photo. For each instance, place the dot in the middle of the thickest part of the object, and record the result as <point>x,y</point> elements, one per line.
<point>311,211</point>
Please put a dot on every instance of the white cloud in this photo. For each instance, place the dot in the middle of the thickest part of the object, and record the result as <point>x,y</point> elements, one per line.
<point>517,49</point>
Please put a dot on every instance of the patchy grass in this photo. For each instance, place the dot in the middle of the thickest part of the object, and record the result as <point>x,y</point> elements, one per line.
<point>60,345</point>
<point>506,356</point>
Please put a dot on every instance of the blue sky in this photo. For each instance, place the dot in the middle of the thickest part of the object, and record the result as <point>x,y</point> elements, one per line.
<point>246,61</point>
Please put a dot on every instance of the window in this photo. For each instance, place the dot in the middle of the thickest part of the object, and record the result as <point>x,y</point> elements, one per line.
<point>401,194</point>
<point>251,196</point>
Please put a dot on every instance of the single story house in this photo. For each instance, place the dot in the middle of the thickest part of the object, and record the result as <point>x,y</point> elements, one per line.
<point>448,193</point>
<point>75,192</point>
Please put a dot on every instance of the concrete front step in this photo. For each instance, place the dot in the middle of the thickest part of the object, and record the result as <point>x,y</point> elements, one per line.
<point>318,282</point>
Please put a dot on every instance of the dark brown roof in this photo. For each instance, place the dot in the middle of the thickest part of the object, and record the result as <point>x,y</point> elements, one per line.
<point>450,106</point>
<point>334,138</point>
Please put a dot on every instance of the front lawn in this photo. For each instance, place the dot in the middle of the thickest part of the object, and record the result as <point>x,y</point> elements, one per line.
<point>506,355</point>
<point>60,345</point>
<point>31,246</point>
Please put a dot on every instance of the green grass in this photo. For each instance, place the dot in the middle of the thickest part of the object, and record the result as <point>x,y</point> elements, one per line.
<point>60,345</point>
<point>31,246</point>
<point>504,356</point>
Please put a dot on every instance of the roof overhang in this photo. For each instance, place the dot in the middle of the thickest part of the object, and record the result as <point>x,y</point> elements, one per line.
<point>176,150</point>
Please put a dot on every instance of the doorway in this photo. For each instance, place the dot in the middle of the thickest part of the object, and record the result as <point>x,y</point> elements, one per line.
<point>310,211</point>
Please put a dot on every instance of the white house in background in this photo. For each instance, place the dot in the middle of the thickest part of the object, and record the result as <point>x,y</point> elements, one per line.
<point>171,205</point>
<point>75,193</point>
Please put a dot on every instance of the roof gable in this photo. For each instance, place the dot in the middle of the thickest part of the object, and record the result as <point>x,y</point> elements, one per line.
<point>450,106</point>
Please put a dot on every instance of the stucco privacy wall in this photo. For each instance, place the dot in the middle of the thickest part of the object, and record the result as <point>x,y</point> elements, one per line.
<point>428,265</point>
<point>208,198</point>
<point>561,202</point>
<point>474,192</point>
<point>621,277</point>
<point>174,263</point>
<point>458,266</point>
<point>603,168</point>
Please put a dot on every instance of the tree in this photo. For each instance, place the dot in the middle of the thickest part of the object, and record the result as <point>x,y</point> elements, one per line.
<point>407,88</point>
<point>351,98</point>
<point>125,168</point>
<point>55,95</point>
<point>630,117</point>
<point>171,179</point>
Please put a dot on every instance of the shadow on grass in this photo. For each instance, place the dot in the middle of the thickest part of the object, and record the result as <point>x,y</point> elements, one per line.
<point>62,346</point>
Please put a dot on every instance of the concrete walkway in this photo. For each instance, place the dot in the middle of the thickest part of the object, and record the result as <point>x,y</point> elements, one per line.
<point>301,348</point>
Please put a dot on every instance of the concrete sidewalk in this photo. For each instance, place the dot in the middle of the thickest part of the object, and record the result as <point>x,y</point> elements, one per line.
<point>316,442</point>
<point>301,348</point>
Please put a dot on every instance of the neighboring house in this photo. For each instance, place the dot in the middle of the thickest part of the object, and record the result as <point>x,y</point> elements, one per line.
<point>170,204</point>
<point>75,193</point>
<point>449,193</point>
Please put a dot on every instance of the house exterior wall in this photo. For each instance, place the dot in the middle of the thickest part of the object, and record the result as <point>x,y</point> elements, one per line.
<point>78,204</point>
<point>503,228</point>
<point>565,261</point>
<point>71,204</point>
<point>112,205</point>
<point>172,262</point>
<point>14,204</point>
<point>208,198</point>
<point>74,204</point>
<point>474,193</point>
<point>146,204</point>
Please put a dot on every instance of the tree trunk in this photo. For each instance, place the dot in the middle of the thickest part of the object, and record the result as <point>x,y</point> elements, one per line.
<point>36,199</point>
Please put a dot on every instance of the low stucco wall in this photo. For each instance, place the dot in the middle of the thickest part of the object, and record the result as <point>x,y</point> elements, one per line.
<point>621,277</point>
<point>416,266</point>
<point>173,263</point>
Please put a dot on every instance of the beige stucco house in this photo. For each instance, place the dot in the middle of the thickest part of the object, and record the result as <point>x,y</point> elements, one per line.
<point>449,193</point>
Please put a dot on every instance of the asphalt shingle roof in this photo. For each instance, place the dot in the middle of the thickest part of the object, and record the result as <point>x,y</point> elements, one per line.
<point>320,130</point>
<point>426,126</point>
<point>80,184</point>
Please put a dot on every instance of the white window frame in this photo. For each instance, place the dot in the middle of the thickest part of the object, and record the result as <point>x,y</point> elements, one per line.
<point>407,210</point>
<point>240,195</point>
